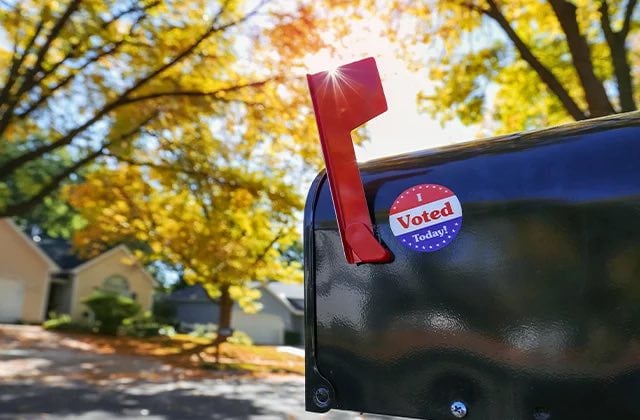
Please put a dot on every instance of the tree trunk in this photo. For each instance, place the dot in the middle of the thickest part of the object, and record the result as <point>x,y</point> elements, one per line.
<point>225,307</point>
<point>594,91</point>
<point>225,304</point>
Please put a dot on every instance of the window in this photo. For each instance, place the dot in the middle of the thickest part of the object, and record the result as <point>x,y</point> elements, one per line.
<point>117,284</point>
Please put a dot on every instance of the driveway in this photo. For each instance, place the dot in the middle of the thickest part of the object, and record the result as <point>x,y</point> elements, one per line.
<point>46,376</point>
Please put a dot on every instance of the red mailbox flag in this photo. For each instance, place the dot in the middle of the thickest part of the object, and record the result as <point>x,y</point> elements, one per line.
<point>343,100</point>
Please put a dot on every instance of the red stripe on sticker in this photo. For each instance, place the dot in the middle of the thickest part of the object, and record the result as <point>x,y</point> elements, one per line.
<point>419,195</point>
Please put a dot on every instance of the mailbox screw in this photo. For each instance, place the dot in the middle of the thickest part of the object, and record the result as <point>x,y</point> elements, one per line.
<point>458,409</point>
<point>322,397</point>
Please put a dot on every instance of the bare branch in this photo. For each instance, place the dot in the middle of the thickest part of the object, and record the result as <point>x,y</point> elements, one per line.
<point>628,14</point>
<point>617,46</point>
<point>605,21</point>
<point>592,87</point>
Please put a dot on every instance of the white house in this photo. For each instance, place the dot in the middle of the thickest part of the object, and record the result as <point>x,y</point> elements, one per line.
<point>281,320</point>
<point>42,275</point>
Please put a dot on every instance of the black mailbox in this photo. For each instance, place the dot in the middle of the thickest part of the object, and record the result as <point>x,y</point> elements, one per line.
<point>512,286</point>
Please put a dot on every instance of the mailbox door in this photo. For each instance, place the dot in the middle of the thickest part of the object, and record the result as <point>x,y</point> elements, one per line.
<point>531,312</point>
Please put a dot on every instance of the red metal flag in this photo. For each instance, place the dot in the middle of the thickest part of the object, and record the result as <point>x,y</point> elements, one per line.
<point>344,99</point>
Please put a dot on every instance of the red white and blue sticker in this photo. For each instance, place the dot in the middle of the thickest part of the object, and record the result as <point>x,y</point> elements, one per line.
<point>426,217</point>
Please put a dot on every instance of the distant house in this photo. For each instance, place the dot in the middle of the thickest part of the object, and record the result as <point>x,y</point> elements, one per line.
<point>281,320</point>
<point>44,275</point>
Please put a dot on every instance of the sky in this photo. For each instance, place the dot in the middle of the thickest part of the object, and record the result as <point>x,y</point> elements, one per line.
<point>402,128</point>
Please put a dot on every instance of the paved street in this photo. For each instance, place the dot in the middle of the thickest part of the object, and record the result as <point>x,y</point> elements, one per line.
<point>45,377</point>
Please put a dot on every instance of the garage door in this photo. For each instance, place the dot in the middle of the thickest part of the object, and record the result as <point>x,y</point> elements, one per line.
<point>262,328</point>
<point>11,296</point>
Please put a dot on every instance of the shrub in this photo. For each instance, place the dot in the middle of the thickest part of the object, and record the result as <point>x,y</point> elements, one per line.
<point>63,322</point>
<point>57,322</point>
<point>210,331</point>
<point>203,330</point>
<point>167,330</point>
<point>141,325</point>
<point>110,309</point>
<point>240,337</point>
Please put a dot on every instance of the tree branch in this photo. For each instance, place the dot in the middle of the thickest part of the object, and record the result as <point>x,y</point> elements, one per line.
<point>8,167</point>
<point>154,165</point>
<point>186,52</point>
<point>45,96</point>
<point>18,209</point>
<point>618,49</point>
<point>130,10</point>
<point>196,93</point>
<point>29,77</point>
<point>75,51</point>
<point>605,21</point>
<point>53,34</point>
<point>56,181</point>
<point>547,77</point>
<point>12,77</point>
<point>628,14</point>
<point>592,87</point>
<point>275,239</point>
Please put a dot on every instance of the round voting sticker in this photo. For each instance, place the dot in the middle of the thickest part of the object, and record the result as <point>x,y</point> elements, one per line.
<point>426,217</point>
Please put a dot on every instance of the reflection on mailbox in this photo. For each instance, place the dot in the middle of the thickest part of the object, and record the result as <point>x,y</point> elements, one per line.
<point>497,279</point>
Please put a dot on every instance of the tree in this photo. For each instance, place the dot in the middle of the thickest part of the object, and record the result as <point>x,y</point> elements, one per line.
<point>86,80</point>
<point>525,63</point>
<point>223,232</point>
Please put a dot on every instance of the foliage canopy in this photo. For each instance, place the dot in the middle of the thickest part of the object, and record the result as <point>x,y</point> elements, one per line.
<point>93,81</point>
<point>513,65</point>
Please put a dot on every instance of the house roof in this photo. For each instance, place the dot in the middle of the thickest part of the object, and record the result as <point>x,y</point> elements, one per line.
<point>288,290</point>
<point>60,256</point>
<point>195,293</point>
<point>291,296</point>
<point>60,251</point>
<point>32,245</point>
<point>297,303</point>
<point>120,248</point>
